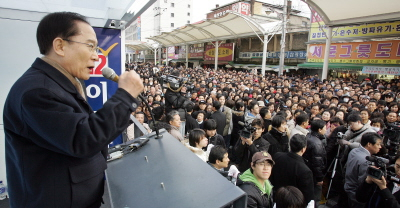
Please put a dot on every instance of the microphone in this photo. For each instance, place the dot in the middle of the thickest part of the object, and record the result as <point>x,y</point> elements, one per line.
<point>377,159</point>
<point>110,74</point>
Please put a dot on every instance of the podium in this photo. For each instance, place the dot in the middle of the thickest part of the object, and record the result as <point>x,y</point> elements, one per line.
<point>165,173</point>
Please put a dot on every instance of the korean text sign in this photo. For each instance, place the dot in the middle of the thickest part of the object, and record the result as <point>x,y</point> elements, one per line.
<point>318,29</point>
<point>374,52</point>
<point>225,52</point>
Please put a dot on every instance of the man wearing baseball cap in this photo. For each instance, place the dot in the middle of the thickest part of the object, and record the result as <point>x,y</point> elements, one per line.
<point>255,183</point>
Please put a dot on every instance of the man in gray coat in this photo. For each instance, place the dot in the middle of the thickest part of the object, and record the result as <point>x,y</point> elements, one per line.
<point>356,130</point>
<point>356,167</point>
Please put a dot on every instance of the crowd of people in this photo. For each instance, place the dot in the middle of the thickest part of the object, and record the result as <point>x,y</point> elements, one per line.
<point>282,133</point>
<point>275,137</point>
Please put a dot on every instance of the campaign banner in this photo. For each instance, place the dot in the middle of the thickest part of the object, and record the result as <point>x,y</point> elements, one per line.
<point>288,54</point>
<point>318,29</point>
<point>98,88</point>
<point>171,52</point>
<point>381,70</point>
<point>225,52</point>
<point>374,52</point>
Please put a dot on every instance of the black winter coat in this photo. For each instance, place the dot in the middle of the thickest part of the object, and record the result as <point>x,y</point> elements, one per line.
<point>245,152</point>
<point>315,155</point>
<point>174,101</point>
<point>376,198</point>
<point>216,140</point>
<point>279,141</point>
<point>291,170</point>
<point>255,197</point>
<point>190,124</point>
<point>220,118</point>
<point>236,117</point>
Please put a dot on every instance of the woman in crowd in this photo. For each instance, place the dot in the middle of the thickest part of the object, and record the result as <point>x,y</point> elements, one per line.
<point>365,114</point>
<point>197,141</point>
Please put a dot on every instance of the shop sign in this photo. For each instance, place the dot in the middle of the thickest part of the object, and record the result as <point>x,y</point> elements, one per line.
<point>225,52</point>
<point>288,54</point>
<point>318,29</point>
<point>196,55</point>
<point>171,53</point>
<point>240,7</point>
<point>381,70</point>
<point>374,52</point>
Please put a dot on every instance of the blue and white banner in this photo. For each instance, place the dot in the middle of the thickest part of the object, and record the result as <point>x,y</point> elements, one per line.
<point>381,70</point>
<point>288,54</point>
<point>98,88</point>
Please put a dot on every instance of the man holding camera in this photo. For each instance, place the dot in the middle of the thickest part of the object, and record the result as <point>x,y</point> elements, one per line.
<point>357,165</point>
<point>176,99</point>
<point>355,132</point>
<point>378,193</point>
<point>245,148</point>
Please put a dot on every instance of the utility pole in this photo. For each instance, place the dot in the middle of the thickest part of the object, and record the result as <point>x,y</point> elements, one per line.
<point>157,26</point>
<point>283,37</point>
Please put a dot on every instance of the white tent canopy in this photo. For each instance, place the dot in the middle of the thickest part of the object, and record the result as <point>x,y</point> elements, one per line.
<point>138,45</point>
<point>232,25</point>
<point>353,12</point>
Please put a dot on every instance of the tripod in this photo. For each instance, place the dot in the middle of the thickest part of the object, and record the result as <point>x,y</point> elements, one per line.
<point>334,163</point>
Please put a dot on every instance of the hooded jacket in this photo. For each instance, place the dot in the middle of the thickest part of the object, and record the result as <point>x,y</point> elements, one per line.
<point>258,196</point>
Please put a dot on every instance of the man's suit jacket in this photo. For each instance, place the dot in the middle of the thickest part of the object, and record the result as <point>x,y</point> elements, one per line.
<point>55,144</point>
<point>220,118</point>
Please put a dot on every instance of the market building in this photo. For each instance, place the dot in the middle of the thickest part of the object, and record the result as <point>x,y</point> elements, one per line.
<point>246,51</point>
<point>356,51</point>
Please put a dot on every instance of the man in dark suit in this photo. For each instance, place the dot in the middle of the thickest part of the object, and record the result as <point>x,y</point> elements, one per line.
<point>219,117</point>
<point>191,123</point>
<point>55,144</point>
<point>291,170</point>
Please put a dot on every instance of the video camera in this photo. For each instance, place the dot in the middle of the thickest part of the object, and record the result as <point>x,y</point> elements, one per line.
<point>392,134</point>
<point>380,163</point>
<point>247,130</point>
<point>175,83</point>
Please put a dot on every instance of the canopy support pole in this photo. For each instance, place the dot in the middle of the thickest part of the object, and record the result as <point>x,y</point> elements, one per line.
<point>264,58</point>
<point>283,39</point>
<point>187,56</point>
<point>155,56</point>
<point>166,56</point>
<point>216,56</point>
<point>326,56</point>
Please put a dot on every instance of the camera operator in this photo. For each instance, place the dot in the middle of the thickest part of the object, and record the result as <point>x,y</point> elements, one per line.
<point>357,165</point>
<point>245,148</point>
<point>356,130</point>
<point>176,99</point>
<point>378,193</point>
<point>175,96</point>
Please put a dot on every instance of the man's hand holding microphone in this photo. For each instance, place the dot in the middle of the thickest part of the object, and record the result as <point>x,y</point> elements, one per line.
<point>129,81</point>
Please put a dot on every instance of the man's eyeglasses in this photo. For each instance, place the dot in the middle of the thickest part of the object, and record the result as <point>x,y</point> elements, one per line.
<point>91,46</point>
